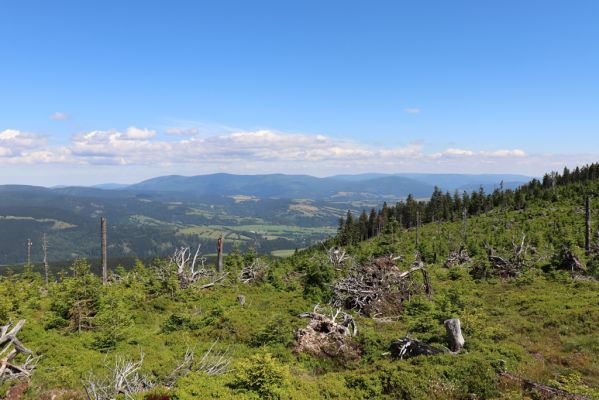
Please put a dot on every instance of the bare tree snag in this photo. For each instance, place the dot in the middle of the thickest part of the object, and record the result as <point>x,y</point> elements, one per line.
<point>219,259</point>
<point>104,251</point>
<point>465,225</point>
<point>587,232</point>
<point>417,228</point>
<point>45,249</point>
<point>11,347</point>
<point>29,244</point>
<point>453,330</point>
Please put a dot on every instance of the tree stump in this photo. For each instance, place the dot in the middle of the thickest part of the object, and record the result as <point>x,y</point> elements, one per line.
<point>454,334</point>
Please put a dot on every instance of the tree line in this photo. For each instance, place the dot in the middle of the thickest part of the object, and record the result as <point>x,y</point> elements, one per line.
<point>446,206</point>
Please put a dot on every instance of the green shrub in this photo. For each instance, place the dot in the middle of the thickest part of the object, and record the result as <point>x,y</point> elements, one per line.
<point>262,375</point>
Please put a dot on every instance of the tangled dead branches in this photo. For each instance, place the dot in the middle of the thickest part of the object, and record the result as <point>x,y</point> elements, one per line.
<point>512,265</point>
<point>212,363</point>
<point>379,287</point>
<point>339,258</point>
<point>456,257</point>
<point>12,348</point>
<point>328,336</point>
<point>124,376</point>
<point>253,272</point>
<point>191,270</point>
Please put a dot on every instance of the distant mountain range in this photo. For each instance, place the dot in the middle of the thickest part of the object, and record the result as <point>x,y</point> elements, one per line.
<point>150,218</point>
<point>348,187</point>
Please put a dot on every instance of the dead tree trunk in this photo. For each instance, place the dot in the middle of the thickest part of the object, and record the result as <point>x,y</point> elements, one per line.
<point>464,225</point>
<point>29,244</point>
<point>587,235</point>
<point>417,228</point>
<point>453,330</point>
<point>45,248</point>
<point>219,260</point>
<point>104,252</point>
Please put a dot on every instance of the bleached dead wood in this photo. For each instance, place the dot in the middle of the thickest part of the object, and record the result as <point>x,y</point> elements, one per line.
<point>253,272</point>
<point>191,270</point>
<point>12,347</point>
<point>123,378</point>
<point>328,336</point>
<point>453,332</point>
<point>379,286</point>
<point>408,347</point>
<point>456,257</point>
<point>511,265</point>
<point>338,257</point>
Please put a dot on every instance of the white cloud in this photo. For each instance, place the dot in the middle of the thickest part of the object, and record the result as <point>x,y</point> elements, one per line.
<point>412,110</point>
<point>58,116</point>
<point>262,151</point>
<point>139,134</point>
<point>182,131</point>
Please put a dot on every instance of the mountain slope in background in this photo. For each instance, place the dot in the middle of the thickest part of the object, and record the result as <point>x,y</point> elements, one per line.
<point>270,212</point>
<point>364,186</point>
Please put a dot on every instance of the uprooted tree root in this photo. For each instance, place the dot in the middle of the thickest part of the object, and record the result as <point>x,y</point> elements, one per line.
<point>328,336</point>
<point>379,287</point>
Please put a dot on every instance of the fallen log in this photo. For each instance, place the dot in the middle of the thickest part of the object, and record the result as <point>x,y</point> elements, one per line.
<point>408,347</point>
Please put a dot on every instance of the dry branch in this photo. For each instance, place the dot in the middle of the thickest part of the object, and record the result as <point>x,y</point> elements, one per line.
<point>191,270</point>
<point>511,265</point>
<point>12,347</point>
<point>253,272</point>
<point>458,257</point>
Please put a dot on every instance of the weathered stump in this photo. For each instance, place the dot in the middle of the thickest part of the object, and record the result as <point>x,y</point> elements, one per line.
<point>453,330</point>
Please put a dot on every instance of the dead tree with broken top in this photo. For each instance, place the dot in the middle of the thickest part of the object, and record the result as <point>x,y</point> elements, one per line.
<point>104,250</point>
<point>587,232</point>
<point>219,257</point>
<point>45,249</point>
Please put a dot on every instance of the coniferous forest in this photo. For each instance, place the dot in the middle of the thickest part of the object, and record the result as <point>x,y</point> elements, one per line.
<point>464,296</point>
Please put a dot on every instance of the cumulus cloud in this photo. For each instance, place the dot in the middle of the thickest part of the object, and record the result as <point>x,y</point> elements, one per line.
<point>58,116</point>
<point>261,151</point>
<point>139,134</point>
<point>182,131</point>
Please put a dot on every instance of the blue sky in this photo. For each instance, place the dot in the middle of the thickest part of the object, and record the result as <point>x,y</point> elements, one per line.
<point>101,91</point>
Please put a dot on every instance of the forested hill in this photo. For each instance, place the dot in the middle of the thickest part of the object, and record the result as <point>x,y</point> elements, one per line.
<point>569,187</point>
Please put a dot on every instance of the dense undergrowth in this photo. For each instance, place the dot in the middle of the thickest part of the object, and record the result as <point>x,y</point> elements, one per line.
<point>542,325</point>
